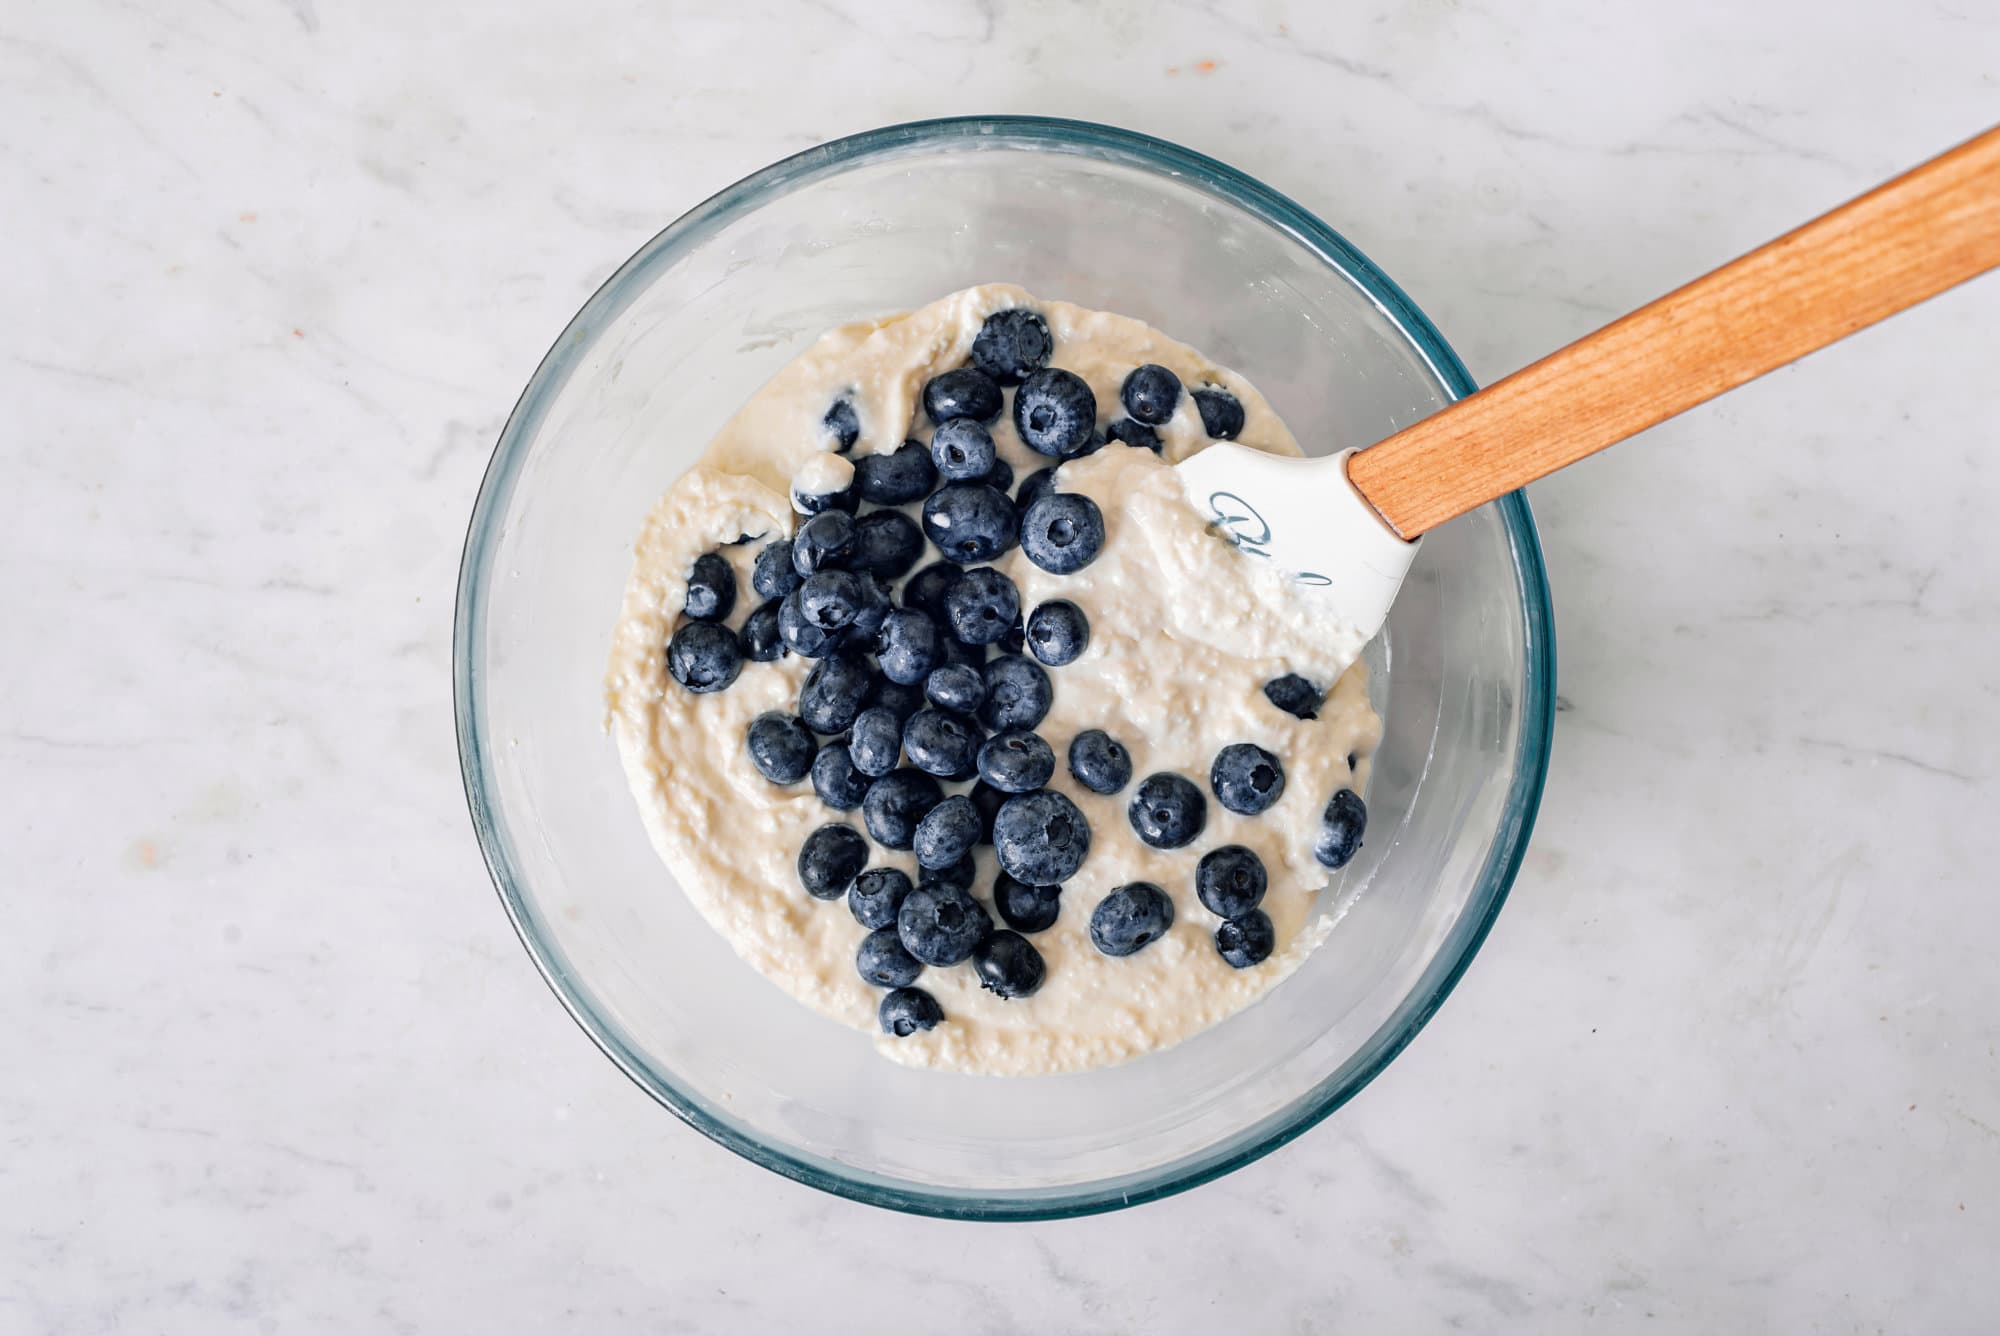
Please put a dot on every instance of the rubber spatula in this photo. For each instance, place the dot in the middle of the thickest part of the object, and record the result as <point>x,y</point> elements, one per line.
<point>1348,522</point>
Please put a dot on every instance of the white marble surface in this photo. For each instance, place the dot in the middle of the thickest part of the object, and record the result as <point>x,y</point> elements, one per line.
<point>275,272</point>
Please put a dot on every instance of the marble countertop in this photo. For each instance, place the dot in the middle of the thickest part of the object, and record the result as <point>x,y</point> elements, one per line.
<point>274,1060</point>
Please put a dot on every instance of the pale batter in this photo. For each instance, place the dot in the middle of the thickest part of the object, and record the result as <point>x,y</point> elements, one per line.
<point>1184,634</point>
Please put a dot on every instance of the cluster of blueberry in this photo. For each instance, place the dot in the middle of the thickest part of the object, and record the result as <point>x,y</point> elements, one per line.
<point>907,677</point>
<point>1345,819</point>
<point>1168,811</point>
<point>904,684</point>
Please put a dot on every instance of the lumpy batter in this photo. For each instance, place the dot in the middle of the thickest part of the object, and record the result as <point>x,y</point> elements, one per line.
<point>1184,633</point>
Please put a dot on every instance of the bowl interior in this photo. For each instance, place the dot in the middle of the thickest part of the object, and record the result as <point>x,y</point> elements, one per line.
<point>659,360</point>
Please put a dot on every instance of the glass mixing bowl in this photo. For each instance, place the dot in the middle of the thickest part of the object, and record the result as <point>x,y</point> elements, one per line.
<point>654,364</point>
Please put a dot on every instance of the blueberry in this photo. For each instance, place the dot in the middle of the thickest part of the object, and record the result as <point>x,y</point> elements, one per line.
<point>1063,533</point>
<point>873,611</point>
<point>1099,761</point>
<point>773,575</point>
<point>759,634</point>
<point>988,800</point>
<point>831,857</point>
<point>1294,695</point>
<point>970,522</point>
<point>1008,965</point>
<point>895,803</point>
<point>876,741</point>
<point>956,687</point>
<point>981,607</point>
<point>909,647</point>
<point>798,633</point>
<point>1055,413</point>
<point>925,590</point>
<point>896,479</point>
<point>1128,918</point>
<point>882,961</point>
<point>1018,694</point>
<point>1016,762</point>
<point>836,780</point>
<point>711,592</point>
<point>1231,881</point>
<point>1167,810</point>
<point>898,699</point>
<point>1014,641</point>
<point>1340,829</point>
<point>947,832</point>
<point>704,657</point>
<point>908,1010</point>
<point>835,692</point>
<point>1034,487</point>
<point>1137,434</point>
<point>957,876</point>
<point>1011,344</point>
<point>887,543</point>
<point>827,539</point>
<point>1150,393</point>
<point>1026,908</point>
<point>835,641</point>
<point>962,451</point>
<point>781,746</point>
<point>1000,477</point>
<point>825,483</point>
<point>940,926</point>
<point>1041,838</point>
<point>1247,940</point>
<point>941,743</point>
<point>876,895</point>
<point>846,500</point>
<point>842,424</point>
<point>1058,632</point>
<point>831,599</point>
<point>965,395</point>
<point>1221,412</point>
<point>1246,778</point>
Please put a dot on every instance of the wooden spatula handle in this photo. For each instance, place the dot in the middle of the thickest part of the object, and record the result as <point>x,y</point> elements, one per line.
<point>1923,232</point>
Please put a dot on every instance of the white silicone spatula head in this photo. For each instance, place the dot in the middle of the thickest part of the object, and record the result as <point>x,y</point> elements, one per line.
<point>1339,523</point>
<point>1305,517</point>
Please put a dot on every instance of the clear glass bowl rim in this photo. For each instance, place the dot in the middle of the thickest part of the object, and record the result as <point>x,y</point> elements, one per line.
<point>1130,148</point>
